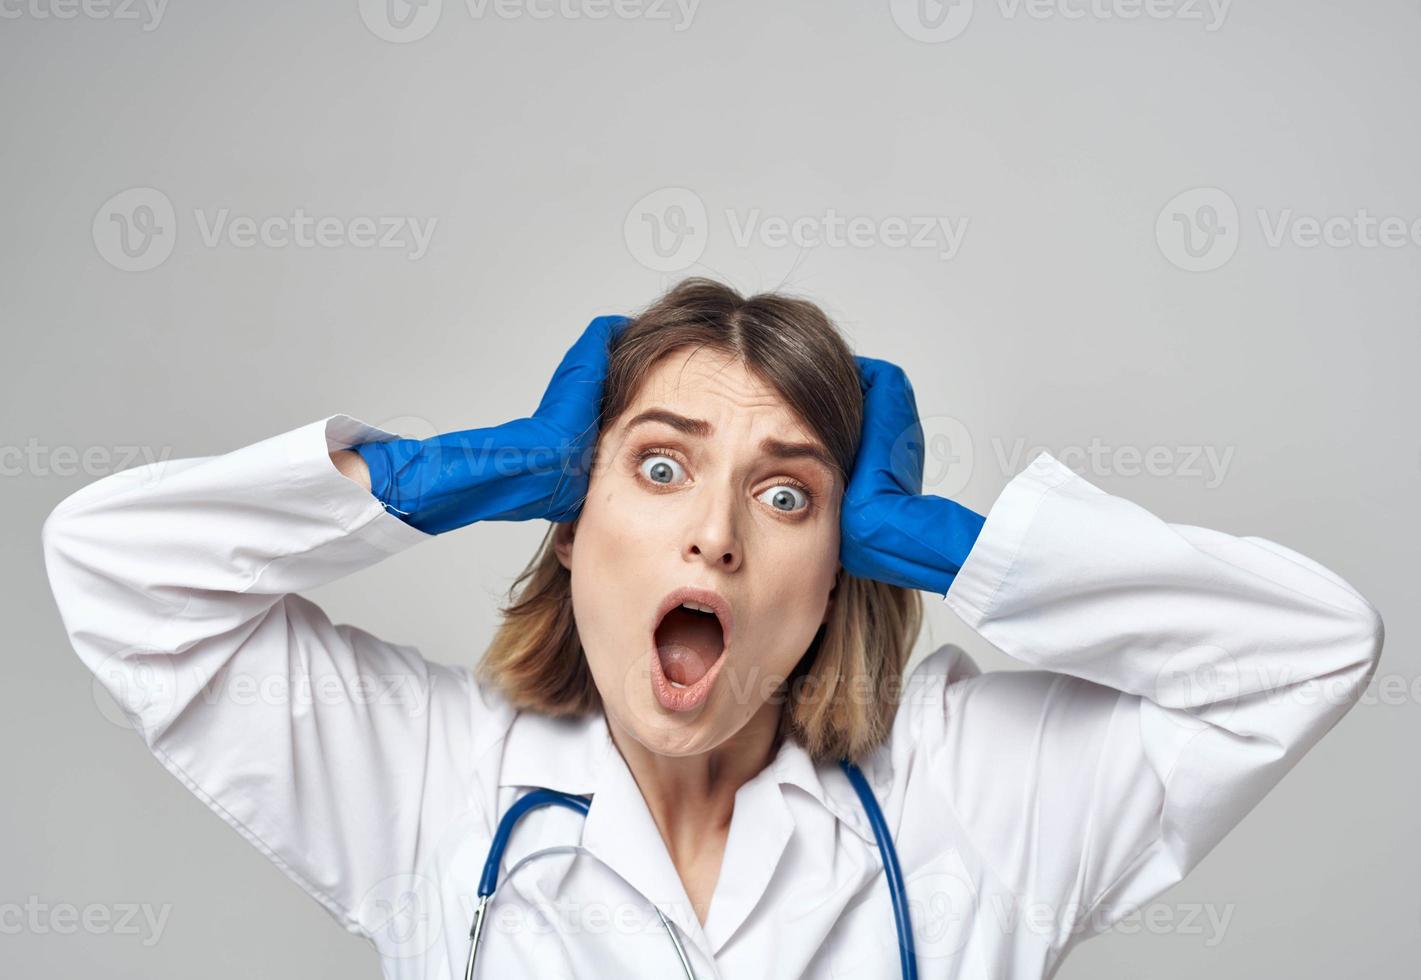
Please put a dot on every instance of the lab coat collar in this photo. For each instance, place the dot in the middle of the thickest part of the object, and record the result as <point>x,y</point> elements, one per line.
<point>572,754</point>
<point>565,754</point>
<point>579,756</point>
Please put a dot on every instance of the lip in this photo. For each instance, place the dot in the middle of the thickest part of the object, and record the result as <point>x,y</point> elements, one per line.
<point>689,698</point>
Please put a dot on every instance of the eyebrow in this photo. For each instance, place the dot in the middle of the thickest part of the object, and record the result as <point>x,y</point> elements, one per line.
<point>701,429</point>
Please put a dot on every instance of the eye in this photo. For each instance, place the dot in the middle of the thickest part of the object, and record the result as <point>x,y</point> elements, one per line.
<point>786,497</point>
<point>660,469</point>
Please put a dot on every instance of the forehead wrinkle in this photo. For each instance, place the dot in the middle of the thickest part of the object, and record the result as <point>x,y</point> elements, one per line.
<point>766,395</point>
<point>729,359</point>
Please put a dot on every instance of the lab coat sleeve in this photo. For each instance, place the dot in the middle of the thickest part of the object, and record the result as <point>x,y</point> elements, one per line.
<point>328,748</point>
<point>1181,672</point>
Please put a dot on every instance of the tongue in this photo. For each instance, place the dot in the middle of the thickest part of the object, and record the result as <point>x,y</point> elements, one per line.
<point>688,644</point>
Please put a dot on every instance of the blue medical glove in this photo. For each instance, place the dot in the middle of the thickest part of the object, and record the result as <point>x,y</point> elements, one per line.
<point>526,469</point>
<point>890,530</point>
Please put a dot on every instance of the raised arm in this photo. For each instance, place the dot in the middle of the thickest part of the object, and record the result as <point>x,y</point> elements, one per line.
<point>338,754</point>
<point>1181,672</point>
<point>321,744</point>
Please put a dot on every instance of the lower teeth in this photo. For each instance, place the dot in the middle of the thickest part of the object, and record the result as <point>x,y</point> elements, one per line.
<point>674,684</point>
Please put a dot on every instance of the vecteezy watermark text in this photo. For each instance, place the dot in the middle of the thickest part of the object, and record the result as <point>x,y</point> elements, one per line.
<point>403,21</point>
<point>934,21</point>
<point>35,459</point>
<point>1200,230</point>
<point>150,12</point>
<point>1097,459</point>
<point>301,230</point>
<point>36,917</point>
<point>668,230</point>
<point>137,229</point>
<point>832,230</point>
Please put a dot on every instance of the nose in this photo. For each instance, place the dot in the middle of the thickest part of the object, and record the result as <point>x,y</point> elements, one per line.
<point>713,536</point>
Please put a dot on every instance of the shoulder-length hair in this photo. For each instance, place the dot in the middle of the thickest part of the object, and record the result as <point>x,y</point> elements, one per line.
<point>841,698</point>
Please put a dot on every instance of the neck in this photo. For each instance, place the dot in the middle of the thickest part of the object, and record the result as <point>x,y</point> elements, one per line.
<point>692,797</point>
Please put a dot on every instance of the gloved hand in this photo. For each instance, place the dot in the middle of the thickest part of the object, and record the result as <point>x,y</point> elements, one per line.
<point>890,530</point>
<point>529,468</point>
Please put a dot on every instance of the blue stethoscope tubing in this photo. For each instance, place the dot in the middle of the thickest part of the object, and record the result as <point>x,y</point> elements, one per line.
<point>538,798</point>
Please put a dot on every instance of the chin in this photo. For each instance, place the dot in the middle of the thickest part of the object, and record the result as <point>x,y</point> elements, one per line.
<point>675,735</point>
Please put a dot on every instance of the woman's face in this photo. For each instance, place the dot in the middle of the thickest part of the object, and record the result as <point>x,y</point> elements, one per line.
<point>706,481</point>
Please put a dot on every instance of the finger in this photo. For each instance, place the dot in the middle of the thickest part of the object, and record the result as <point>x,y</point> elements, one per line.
<point>891,450</point>
<point>575,390</point>
<point>886,387</point>
<point>587,358</point>
<point>595,343</point>
<point>869,370</point>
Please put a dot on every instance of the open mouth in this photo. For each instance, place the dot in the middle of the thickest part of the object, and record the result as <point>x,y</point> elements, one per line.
<point>689,644</point>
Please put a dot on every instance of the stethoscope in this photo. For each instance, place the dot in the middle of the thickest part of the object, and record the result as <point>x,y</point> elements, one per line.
<point>549,797</point>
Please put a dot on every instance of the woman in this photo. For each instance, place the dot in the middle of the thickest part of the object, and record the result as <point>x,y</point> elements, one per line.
<point>722,609</point>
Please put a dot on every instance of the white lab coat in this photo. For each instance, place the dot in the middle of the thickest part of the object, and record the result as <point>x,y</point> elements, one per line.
<point>1179,673</point>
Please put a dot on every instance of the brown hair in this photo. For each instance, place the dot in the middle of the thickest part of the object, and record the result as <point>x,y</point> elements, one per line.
<point>842,696</point>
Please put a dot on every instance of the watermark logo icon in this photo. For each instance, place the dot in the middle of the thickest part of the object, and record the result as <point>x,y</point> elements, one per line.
<point>932,21</point>
<point>1198,230</point>
<point>948,456</point>
<point>666,230</point>
<point>135,688</point>
<point>942,903</point>
<point>401,21</point>
<point>136,229</point>
<point>404,914</point>
<point>1200,685</point>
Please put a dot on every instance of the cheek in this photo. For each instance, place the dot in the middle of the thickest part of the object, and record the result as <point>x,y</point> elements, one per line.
<point>793,591</point>
<point>613,581</point>
<point>619,533</point>
<point>799,601</point>
<point>807,560</point>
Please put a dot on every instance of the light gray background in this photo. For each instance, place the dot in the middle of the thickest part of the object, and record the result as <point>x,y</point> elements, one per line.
<point>1067,315</point>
